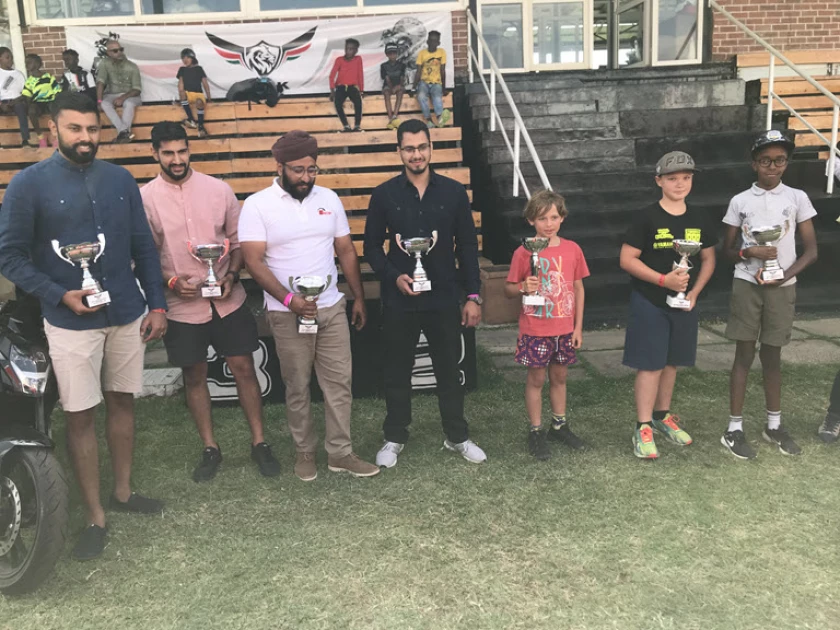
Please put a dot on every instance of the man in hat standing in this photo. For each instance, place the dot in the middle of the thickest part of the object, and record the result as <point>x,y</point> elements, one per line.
<point>291,229</point>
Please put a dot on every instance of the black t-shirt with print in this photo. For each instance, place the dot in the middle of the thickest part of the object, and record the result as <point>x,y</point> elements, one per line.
<point>192,76</point>
<point>654,230</point>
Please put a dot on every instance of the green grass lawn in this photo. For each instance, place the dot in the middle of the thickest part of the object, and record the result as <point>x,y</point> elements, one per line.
<point>594,540</point>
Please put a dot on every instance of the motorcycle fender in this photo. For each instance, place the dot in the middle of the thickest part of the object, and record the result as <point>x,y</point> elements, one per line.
<point>21,437</point>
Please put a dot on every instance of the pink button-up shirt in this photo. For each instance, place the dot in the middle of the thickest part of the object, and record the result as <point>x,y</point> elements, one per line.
<point>201,210</point>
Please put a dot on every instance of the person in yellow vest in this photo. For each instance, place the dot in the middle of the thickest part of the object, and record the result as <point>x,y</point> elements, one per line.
<point>40,91</point>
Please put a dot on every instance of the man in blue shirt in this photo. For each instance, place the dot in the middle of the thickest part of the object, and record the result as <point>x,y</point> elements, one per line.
<point>96,352</point>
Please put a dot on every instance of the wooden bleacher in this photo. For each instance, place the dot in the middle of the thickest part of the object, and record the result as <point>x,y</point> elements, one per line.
<point>239,142</point>
<point>813,106</point>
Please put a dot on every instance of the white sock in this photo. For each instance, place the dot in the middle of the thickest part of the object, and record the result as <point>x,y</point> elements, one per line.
<point>774,419</point>
<point>736,423</point>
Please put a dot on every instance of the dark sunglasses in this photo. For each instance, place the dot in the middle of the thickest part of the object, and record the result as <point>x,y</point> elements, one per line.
<point>113,50</point>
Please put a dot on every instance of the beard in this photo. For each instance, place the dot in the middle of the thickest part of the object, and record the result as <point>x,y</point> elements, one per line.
<point>299,191</point>
<point>71,151</point>
<point>417,169</point>
<point>177,176</point>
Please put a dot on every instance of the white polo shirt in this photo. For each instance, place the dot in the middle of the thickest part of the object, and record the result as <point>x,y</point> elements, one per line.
<point>757,207</point>
<point>299,236</point>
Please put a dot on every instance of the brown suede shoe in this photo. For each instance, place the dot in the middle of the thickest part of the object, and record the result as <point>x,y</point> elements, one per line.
<point>305,467</point>
<point>353,465</point>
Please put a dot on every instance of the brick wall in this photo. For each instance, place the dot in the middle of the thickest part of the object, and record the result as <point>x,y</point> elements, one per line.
<point>785,24</point>
<point>49,42</point>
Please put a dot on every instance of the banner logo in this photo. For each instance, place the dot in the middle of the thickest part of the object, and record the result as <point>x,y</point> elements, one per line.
<point>262,58</point>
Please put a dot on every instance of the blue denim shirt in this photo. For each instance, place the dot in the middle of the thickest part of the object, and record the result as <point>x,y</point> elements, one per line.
<point>57,199</point>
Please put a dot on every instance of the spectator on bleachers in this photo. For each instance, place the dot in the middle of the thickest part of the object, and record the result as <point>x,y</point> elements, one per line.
<point>192,88</point>
<point>40,91</point>
<point>429,81</point>
<point>347,80</point>
<point>118,84</point>
<point>393,74</point>
<point>76,78</point>
<point>11,89</point>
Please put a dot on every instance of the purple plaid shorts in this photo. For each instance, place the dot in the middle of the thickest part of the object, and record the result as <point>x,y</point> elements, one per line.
<point>540,351</point>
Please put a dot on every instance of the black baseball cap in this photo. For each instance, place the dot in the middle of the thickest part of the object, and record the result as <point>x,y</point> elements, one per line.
<point>391,47</point>
<point>771,137</point>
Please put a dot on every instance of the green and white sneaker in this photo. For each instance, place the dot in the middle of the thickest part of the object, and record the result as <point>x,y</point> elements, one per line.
<point>670,428</point>
<point>643,445</point>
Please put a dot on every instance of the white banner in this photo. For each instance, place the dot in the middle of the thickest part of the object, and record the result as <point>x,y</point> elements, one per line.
<point>299,55</point>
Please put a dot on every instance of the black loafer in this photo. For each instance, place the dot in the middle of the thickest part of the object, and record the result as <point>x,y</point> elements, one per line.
<point>265,460</point>
<point>137,504</point>
<point>91,543</point>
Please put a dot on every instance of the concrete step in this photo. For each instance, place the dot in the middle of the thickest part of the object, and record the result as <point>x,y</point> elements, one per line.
<point>692,120</point>
<point>569,122</point>
<point>481,112</point>
<point>547,149</point>
<point>550,136</point>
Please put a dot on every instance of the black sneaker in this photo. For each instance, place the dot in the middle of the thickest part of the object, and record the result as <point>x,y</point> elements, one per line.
<point>736,442</point>
<point>347,129</point>
<point>564,435</point>
<point>266,462</point>
<point>202,132</point>
<point>91,543</point>
<point>357,128</point>
<point>138,504</point>
<point>780,438</point>
<point>211,459</point>
<point>830,428</point>
<point>537,446</point>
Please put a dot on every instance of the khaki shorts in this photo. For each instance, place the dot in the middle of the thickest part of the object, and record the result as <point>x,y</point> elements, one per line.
<point>88,362</point>
<point>758,313</point>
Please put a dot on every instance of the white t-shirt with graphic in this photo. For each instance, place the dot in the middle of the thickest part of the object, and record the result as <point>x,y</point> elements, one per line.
<point>755,208</point>
<point>11,84</point>
<point>299,236</point>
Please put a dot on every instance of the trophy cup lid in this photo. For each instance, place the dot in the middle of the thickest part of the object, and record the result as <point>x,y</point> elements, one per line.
<point>208,250</point>
<point>417,243</point>
<point>767,232</point>
<point>687,248</point>
<point>309,282</point>
<point>535,244</point>
<point>80,251</point>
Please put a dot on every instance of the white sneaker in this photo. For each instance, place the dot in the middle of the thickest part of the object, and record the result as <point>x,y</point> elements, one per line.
<point>387,455</point>
<point>469,450</point>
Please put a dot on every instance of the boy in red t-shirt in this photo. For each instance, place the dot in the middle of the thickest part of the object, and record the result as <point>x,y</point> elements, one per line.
<point>549,334</point>
<point>347,80</point>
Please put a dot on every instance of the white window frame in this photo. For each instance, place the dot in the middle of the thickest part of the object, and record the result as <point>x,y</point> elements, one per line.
<point>250,9</point>
<point>588,37</point>
<point>525,27</point>
<point>654,39</point>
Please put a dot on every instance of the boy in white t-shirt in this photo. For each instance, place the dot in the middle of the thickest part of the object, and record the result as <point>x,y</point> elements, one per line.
<point>11,98</point>
<point>763,309</point>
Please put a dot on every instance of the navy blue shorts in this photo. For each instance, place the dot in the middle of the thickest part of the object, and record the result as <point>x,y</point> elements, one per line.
<point>659,336</point>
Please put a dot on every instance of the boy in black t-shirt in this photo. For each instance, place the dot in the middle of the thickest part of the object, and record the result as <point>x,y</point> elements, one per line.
<point>393,73</point>
<point>76,78</point>
<point>659,338</point>
<point>192,87</point>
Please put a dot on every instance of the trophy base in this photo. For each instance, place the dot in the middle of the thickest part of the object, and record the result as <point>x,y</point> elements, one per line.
<point>418,286</point>
<point>678,302</point>
<point>211,292</point>
<point>307,326</point>
<point>771,275</point>
<point>98,299</point>
<point>533,300</point>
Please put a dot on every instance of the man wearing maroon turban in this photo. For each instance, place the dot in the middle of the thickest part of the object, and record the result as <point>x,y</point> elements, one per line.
<point>291,229</point>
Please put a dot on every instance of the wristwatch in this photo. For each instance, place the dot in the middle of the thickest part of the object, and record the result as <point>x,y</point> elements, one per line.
<point>235,275</point>
<point>475,298</point>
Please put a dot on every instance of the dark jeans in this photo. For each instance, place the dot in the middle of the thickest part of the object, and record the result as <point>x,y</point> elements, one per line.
<point>20,109</point>
<point>400,333</point>
<point>834,402</point>
<point>342,93</point>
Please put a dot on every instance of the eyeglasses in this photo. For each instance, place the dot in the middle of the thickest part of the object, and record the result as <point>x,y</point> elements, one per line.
<point>115,50</point>
<point>766,161</point>
<point>421,149</point>
<point>300,170</point>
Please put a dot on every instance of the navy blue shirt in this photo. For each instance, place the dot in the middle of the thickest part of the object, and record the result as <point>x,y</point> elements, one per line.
<point>396,207</point>
<point>57,199</point>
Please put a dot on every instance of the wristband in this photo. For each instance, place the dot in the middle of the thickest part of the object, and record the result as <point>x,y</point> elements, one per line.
<point>288,299</point>
<point>661,282</point>
<point>158,310</point>
<point>99,101</point>
<point>172,281</point>
<point>472,296</point>
<point>741,254</point>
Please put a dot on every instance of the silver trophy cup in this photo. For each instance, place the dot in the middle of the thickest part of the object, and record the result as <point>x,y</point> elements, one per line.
<point>685,249</point>
<point>84,254</point>
<point>418,247</point>
<point>534,244</point>
<point>210,254</point>
<point>310,287</point>
<point>769,236</point>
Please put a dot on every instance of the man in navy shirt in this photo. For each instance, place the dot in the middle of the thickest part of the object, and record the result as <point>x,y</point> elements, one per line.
<point>96,352</point>
<point>415,204</point>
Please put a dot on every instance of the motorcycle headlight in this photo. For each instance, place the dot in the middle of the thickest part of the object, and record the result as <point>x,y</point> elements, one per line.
<point>32,370</point>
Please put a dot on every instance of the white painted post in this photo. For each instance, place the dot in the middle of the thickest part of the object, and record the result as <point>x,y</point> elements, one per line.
<point>832,155</point>
<point>770,92</point>
<point>469,47</point>
<point>492,101</point>
<point>515,159</point>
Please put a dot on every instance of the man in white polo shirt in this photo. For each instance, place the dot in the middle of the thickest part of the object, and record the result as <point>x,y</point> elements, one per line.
<point>292,229</point>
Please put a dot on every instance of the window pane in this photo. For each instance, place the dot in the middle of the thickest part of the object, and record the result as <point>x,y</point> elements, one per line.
<point>501,25</point>
<point>279,5</point>
<point>631,33</point>
<point>379,3</point>
<point>677,30</point>
<point>167,7</point>
<point>558,33</point>
<point>55,9</point>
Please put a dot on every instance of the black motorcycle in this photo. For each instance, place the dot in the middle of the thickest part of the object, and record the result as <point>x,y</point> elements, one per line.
<point>33,487</point>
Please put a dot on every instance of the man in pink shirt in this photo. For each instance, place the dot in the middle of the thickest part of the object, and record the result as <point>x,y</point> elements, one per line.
<point>347,80</point>
<point>184,206</point>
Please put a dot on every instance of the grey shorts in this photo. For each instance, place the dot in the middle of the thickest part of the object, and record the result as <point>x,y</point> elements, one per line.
<point>760,313</point>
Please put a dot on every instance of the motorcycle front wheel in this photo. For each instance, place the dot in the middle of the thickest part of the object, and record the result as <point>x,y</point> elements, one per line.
<point>33,518</point>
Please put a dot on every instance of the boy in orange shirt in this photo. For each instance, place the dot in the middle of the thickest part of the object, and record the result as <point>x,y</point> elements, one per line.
<point>347,80</point>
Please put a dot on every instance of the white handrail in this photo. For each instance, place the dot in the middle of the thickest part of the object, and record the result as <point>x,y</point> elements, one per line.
<point>520,131</point>
<point>834,153</point>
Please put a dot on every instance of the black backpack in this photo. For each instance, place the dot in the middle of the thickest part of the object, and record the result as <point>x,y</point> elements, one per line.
<point>255,90</point>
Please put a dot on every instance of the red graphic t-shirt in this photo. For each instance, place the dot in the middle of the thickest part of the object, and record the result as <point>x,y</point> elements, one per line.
<point>559,267</point>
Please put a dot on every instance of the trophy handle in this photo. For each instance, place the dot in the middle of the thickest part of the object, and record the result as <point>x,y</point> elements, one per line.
<point>101,238</point>
<point>57,249</point>
<point>329,282</point>
<point>192,253</point>
<point>434,241</point>
<point>398,238</point>
<point>227,249</point>
<point>292,284</point>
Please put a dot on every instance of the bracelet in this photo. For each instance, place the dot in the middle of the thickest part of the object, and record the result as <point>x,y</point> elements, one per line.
<point>522,287</point>
<point>158,310</point>
<point>288,299</point>
<point>172,281</point>
<point>741,254</point>
<point>661,282</point>
<point>472,296</point>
